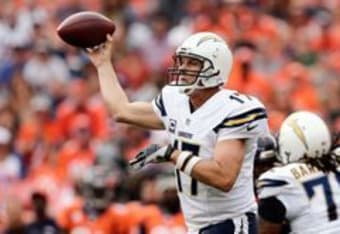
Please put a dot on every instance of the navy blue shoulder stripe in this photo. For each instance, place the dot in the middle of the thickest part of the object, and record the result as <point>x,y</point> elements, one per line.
<point>242,119</point>
<point>160,104</point>
<point>270,183</point>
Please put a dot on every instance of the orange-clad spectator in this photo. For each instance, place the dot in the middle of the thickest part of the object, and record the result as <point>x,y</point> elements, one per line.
<point>275,119</point>
<point>303,95</point>
<point>142,207</point>
<point>95,212</point>
<point>227,24</point>
<point>76,218</point>
<point>142,218</point>
<point>204,22</point>
<point>172,220</point>
<point>151,219</point>
<point>256,27</point>
<point>155,205</point>
<point>39,133</point>
<point>245,79</point>
<point>45,179</point>
<point>134,69</point>
<point>171,224</point>
<point>77,153</point>
<point>134,141</point>
<point>49,129</point>
<point>333,36</point>
<point>79,101</point>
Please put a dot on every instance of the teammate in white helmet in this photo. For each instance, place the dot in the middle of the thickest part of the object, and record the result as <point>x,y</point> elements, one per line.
<point>213,133</point>
<point>305,191</point>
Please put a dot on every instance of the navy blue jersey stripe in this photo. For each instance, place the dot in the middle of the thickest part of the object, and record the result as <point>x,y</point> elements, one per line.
<point>160,104</point>
<point>242,119</point>
<point>270,183</point>
<point>245,114</point>
<point>179,182</point>
<point>186,161</point>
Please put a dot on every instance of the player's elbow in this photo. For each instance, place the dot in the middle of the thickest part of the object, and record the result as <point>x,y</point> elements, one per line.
<point>224,179</point>
<point>225,184</point>
<point>121,117</point>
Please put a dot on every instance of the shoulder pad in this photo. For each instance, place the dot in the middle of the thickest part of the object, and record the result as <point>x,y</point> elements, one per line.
<point>242,118</point>
<point>242,110</point>
<point>273,182</point>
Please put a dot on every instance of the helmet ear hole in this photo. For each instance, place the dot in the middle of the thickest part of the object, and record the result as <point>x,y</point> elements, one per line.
<point>200,83</point>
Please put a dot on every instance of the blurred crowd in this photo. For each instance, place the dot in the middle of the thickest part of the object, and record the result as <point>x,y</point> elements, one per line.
<point>54,126</point>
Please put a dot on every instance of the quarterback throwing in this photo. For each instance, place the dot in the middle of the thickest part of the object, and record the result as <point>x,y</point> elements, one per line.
<point>213,132</point>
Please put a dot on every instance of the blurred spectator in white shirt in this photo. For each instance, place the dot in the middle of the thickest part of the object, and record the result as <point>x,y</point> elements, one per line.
<point>45,71</point>
<point>153,41</point>
<point>16,24</point>
<point>10,164</point>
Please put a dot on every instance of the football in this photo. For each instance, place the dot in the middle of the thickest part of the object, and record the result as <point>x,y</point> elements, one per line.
<point>85,29</point>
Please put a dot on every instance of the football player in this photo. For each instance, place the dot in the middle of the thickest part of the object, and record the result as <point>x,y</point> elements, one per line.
<point>305,191</point>
<point>213,132</point>
<point>94,212</point>
<point>265,156</point>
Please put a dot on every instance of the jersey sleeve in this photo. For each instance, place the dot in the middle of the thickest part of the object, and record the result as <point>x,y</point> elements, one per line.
<point>165,105</point>
<point>276,183</point>
<point>271,184</point>
<point>162,104</point>
<point>245,121</point>
<point>158,105</point>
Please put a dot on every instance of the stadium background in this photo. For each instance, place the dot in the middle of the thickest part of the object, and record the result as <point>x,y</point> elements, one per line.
<point>53,123</point>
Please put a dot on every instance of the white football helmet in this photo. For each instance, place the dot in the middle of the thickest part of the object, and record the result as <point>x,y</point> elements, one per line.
<point>216,59</point>
<point>303,134</point>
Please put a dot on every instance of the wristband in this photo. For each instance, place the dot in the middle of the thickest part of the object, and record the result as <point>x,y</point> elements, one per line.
<point>186,162</point>
<point>181,158</point>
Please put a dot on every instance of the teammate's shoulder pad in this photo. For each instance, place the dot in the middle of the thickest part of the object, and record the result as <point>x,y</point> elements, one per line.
<point>275,177</point>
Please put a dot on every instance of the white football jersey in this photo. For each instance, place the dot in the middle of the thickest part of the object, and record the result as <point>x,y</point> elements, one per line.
<point>226,115</point>
<point>311,197</point>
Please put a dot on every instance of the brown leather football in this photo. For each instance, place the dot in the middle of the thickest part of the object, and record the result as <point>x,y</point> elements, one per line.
<point>85,29</point>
